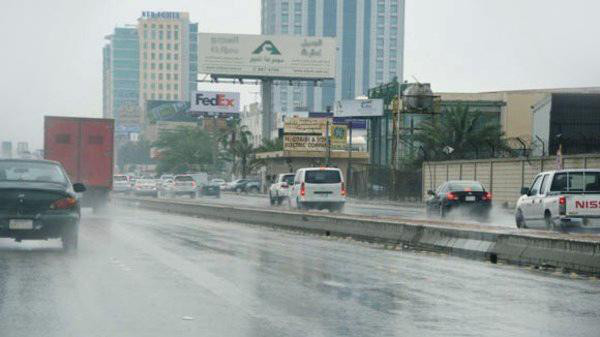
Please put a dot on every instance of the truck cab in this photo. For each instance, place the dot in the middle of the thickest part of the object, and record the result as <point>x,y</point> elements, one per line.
<point>557,199</point>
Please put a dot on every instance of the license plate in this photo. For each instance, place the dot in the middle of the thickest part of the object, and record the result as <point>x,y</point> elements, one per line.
<point>470,198</point>
<point>20,224</point>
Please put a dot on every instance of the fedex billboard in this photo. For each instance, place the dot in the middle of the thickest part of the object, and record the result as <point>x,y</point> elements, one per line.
<point>215,101</point>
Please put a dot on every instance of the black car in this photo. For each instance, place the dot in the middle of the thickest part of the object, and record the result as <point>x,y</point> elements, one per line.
<point>468,196</point>
<point>38,202</point>
<point>251,186</point>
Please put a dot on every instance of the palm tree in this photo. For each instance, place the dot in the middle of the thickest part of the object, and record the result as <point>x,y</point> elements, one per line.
<point>270,145</point>
<point>238,142</point>
<point>464,132</point>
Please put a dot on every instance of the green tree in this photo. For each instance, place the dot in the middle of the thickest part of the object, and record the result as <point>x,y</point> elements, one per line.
<point>464,131</point>
<point>270,145</point>
<point>134,153</point>
<point>185,149</point>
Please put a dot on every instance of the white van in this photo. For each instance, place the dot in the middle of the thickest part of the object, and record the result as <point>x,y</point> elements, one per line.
<point>318,188</point>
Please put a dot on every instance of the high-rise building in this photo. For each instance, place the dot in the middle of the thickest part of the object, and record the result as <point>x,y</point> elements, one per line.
<point>153,60</point>
<point>7,151</point>
<point>370,41</point>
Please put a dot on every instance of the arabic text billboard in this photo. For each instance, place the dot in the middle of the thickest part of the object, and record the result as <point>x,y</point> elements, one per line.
<point>261,56</point>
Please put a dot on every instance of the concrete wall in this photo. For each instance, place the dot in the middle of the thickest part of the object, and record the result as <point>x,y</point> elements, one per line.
<point>503,177</point>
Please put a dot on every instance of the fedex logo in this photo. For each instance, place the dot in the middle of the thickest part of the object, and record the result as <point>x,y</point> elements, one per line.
<point>218,100</point>
<point>587,204</point>
<point>215,101</point>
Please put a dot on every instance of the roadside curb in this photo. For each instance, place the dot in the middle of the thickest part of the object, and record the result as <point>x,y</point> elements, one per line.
<point>579,253</point>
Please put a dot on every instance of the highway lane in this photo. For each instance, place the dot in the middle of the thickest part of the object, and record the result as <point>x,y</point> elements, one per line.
<point>143,273</point>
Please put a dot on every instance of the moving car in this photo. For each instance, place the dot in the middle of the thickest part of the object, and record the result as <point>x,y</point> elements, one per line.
<point>237,185</point>
<point>184,185</point>
<point>145,187</point>
<point>318,188</point>
<point>121,184</point>
<point>280,189</point>
<point>210,189</point>
<point>560,198</point>
<point>467,195</point>
<point>38,202</point>
<point>252,186</point>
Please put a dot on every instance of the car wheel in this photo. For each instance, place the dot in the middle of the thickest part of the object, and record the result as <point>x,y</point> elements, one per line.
<point>279,201</point>
<point>70,238</point>
<point>271,200</point>
<point>550,224</point>
<point>520,220</point>
<point>253,189</point>
<point>238,190</point>
<point>442,212</point>
<point>428,211</point>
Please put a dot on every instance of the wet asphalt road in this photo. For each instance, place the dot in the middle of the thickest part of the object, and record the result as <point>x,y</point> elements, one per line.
<point>142,273</point>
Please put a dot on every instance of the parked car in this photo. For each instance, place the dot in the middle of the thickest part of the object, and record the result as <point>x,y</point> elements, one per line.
<point>210,189</point>
<point>318,188</point>
<point>557,199</point>
<point>121,184</point>
<point>237,185</point>
<point>279,190</point>
<point>219,182</point>
<point>38,202</point>
<point>252,186</point>
<point>467,195</point>
<point>145,187</point>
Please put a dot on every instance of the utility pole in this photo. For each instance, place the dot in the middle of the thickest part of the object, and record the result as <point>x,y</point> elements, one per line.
<point>349,172</point>
<point>328,141</point>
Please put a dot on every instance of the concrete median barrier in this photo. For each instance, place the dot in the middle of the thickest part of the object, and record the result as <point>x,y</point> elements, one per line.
<point>571,252</point>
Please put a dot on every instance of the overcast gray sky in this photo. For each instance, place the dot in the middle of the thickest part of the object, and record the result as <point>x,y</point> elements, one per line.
<point>51,60</point>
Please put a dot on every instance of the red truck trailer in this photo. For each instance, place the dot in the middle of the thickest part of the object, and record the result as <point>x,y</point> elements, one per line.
<point>85,148</point>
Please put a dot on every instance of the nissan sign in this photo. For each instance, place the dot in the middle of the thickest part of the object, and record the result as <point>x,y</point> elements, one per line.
<point>359,108</point>
<point>215,101</point>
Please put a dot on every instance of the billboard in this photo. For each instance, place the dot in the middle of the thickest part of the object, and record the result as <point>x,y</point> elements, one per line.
<point>359,108</point>
<point>262,56</point>
<point>309,134</point>
<point>215,101</point>
<point>307,126</point>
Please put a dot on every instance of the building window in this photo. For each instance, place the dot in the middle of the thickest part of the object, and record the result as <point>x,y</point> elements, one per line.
<point>145,45</point>
<point>394,8</point>
<point>153,34</point>
<point>393,31</point>
<point>145,56</point>
<point>379,76</point>
<point>152,76</point>
<point>168,34</point>
<point>168,76</point>
<point>160,66</point>
<point>380,31</point>
<point>379,53</point>
<point>160,96</point>
<point>175,66</point>
<point>168,46</point>
<point>284,17</point>
<point>145,85</point>
<point>145,65</point>
<point>145,34</point>
<point>145,95</point>
<point>175,56</point>
<point>168,66</point>
<point>298,6</point>
<point>176,35</point>
<point>168,96</point>
<point>153,45</point>
<point>168,86</point>
<point>145,25</point>
<point>176,86</point>
<point>393,64</point>
<point>297,17</point>
<point>153,25</point>
<point>160,76</point>
<point>379,64</point>
<point>380,8</point>
<point>297,30</point>
<point>176,77</point>
<point>393,43</point>
<point>160,46</point>
<point>284,29</point>
<point>379,42</point>
<point>394,20</point>
<point>160,56</point>
<point>153,56</point>
<point>176,46</point>
<point>153,96</point>
<point>168,56</point>
<point>160,34</point>
<point>152,86</point>
<point>153,66</point>
<point>145,74</point>
<point>175,97</point>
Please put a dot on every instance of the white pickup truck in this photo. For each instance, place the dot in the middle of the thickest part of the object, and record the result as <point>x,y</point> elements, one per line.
<point>557,199</point>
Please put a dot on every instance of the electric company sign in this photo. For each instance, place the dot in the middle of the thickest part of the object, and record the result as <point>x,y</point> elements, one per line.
<point>215,101</point>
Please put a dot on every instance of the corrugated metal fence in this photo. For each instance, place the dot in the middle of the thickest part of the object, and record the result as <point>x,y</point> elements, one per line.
<point>503,177</point>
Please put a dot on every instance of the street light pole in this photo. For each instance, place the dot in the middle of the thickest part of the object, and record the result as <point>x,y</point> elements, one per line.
<point>349,172</point>
<point>328,142</point>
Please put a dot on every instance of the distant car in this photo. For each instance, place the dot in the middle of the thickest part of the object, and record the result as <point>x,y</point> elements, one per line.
<point>210,189</point>
<point>218,182</point>
<point>252,186</point>
<point>318,188</point>
<point>145,187</point>
<point>38,202</point>
<point>184,185</point>
<point>467,195</point>
<point>280,189</point>
<point>121,184</point>
<point>237,185</point>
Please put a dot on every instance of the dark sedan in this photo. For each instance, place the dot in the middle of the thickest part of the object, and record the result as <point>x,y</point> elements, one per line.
<point>210,189</point>
<point>469,197</point>
<point>38,202</point>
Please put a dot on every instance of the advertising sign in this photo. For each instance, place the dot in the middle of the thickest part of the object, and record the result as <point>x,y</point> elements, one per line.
<point>304,143</point>
<point>338,134</point>
<point>215,101</point>
<point>308,126</point>
<point>261,56</point>
<point>359,108</point>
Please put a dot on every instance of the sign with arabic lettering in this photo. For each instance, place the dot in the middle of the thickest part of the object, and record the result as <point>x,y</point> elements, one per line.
<point>266,56</point>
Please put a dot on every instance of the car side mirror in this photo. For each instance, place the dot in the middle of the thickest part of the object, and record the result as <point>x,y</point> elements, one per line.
<point>430,192</point>
<point>79,187</point>
<point>524,190</point>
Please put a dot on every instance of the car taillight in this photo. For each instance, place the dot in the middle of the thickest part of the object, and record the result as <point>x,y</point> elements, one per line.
<point>562,205</point>
<point>487,196</point>
<point>451,196</point>
<point>64,203</point>
<point>302,189</point>
<point>193,184</point>
<point>284,185</point>
<point>343,191</point>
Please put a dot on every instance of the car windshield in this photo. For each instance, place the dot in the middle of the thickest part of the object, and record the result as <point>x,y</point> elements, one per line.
<point>32,171</point>
<point>184,178</point>
<point>323,177</point>
<point>465,186</point>
<point>120,178</point>
<point>288,178</point>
